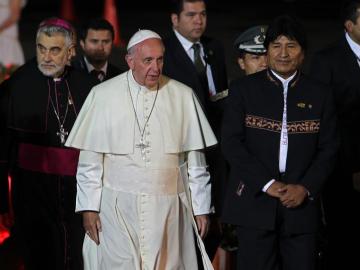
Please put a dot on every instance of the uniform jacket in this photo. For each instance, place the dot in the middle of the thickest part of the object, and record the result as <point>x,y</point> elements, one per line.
<point>250,142</point>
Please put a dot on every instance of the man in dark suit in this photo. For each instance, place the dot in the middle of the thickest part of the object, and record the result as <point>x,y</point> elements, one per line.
<point>338,66</point>
<point>96,41</point>
<point>280,141</point>
<point>199,62</point>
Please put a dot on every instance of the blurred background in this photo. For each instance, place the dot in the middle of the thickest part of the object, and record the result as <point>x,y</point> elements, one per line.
<point>226,19</point>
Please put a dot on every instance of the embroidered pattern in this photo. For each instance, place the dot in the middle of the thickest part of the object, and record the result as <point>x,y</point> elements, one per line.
<point>305,126</point>
<point>262,123</point>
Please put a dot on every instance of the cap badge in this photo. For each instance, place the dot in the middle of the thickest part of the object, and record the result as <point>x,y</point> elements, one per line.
<point>301,105</point>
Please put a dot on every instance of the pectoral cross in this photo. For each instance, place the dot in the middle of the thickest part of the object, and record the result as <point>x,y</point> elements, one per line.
<point>62,134</point>
<point>142,145</point>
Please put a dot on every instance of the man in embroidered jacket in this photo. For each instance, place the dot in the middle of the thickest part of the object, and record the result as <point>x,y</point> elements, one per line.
<point>279,138</point>
<point>39,104</point>
<point>141,137</point>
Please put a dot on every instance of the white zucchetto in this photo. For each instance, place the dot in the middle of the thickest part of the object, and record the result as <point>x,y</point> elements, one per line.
<point>140,36</point>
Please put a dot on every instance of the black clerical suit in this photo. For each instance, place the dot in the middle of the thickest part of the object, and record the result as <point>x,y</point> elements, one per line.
<point>251,142</point>
<point>338,66</point>
<point>179,66</point>
<point>38,112</point>
<point>80,64</point>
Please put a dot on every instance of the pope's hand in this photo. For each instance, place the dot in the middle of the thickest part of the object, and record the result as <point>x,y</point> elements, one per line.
<point>202,222</point>
<point>92,225</point>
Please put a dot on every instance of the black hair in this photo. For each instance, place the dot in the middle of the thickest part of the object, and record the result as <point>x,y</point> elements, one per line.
<point>287,26</point>
<point>177,6</point>
<point>96,24</point>
<point>349,11</point>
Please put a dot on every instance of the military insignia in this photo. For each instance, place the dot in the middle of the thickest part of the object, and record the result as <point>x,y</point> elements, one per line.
<point>259,39</point>
<point>301,105</point>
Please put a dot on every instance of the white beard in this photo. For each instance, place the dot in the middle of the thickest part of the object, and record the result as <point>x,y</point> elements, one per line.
<point>51,72</point>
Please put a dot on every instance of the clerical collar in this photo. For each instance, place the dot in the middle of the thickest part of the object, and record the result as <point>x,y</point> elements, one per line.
<point>90,67</point>
<point>61,77</point>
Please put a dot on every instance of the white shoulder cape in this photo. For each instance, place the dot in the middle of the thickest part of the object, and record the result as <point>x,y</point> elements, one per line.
<point>106,121</point>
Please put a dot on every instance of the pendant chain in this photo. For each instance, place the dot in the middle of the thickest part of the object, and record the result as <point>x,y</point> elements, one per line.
<point>136,117</point>
<point>62,133</point>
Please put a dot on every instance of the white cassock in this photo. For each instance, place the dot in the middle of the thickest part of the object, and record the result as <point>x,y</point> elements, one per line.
<point>146,195</point>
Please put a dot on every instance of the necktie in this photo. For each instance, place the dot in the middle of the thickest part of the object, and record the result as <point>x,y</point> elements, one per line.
<point>99,74</point>
<point>199,65</point>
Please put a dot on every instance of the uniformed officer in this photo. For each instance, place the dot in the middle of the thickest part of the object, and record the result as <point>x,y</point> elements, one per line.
<point>251,50</point>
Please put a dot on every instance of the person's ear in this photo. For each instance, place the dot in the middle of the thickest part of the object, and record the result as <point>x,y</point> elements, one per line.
<point>241,63</point>
<point>82,44</point>
<point>349,25</point>
<point>71,52</point>
<point>174,19</point>
<point>130,60</point>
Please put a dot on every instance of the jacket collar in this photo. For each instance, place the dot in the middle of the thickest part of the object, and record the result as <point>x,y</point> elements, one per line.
<point>271,77</point>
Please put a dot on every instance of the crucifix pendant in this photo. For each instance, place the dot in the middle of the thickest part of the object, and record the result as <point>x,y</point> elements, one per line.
<point>142,145</point>
<point>62,134</point>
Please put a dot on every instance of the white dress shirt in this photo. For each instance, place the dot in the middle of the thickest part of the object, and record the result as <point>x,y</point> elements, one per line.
<point>354,47</point>
<point>90,67</point>
<point>284,133</point>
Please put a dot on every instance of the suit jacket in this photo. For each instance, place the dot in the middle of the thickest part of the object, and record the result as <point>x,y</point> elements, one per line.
<point>337,66</point>
<point>178,65</point>
<point>251,141</point>
<point>112,71</point>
